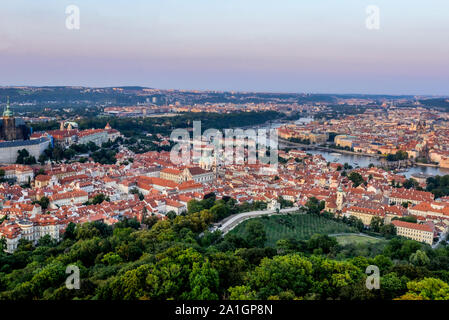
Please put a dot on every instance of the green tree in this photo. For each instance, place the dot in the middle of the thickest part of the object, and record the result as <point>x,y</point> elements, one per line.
<point>46,241</point>
<point>282,273</point>
<point>314,206</point>
<point>2,244</point>
<point>419,258</point>
<point>57,153</point>
<point>285,203</point>
<point>255,233</point>
<point>111,258</point>
<point>44,202</point>
<point>98,199</point>
<point>411,183</point>
<point>24,157</point>
<point>203,282</point>
<point>356,179</point>
<point>171,215</point>
<point>194,206</point>
<point>392,286</point>
<point>321,242</point>
<point>376,223</point>
<point>70,231</point>
<point>387,230</point>
<point>427,289</point>
<point>219,211</point>
<point>383,262</point>
<point>241,293</point>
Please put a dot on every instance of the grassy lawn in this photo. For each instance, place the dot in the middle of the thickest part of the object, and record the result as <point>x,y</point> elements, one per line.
<point>298,226</point>
<point>354,238</point>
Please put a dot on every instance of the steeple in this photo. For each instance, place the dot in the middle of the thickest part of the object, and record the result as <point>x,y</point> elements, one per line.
<point>7,113</point>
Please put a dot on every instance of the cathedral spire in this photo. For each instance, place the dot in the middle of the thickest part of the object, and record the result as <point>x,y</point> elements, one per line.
<point>7,113</point>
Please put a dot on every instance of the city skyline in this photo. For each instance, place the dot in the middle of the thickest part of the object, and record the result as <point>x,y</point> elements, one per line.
<point>229,46</point>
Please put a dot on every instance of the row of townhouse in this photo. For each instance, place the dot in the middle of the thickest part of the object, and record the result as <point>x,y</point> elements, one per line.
<point>19,173</point>
<point>434,208</point>
<point>31,230</point>
<point>402,195</point>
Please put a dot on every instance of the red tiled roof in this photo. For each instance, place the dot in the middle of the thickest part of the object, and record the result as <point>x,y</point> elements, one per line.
<point>68,195</point>
<point>42,177</point>
<point>171,171</point>
<point>196,171</point>
<point>411,225</point>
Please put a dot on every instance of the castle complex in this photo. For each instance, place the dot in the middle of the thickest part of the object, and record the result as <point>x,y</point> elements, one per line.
<point>14,136</point>
<point>11,128</point>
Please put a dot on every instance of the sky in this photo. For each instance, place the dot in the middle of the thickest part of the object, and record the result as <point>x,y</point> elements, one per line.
<point>315,46</point>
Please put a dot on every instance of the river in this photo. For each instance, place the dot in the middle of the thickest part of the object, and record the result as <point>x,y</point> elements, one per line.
<point>363,161</point>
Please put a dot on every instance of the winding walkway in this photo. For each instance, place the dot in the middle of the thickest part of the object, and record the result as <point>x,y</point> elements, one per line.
<point>231,222</point>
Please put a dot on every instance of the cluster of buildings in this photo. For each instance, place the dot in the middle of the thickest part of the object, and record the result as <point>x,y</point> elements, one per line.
<point>69,134</point>
<point>15,136</point>
<point>150,109</point>
<point>153,185</point>
<point>136,111</point>
<point>421,133</point>
<point>148,186</point>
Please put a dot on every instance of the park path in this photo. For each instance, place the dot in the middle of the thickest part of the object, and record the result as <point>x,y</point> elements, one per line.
<point>352,234</point>
<point>231,222</point>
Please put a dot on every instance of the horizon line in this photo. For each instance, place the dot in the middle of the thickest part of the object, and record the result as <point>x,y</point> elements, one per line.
<point>224,91</point>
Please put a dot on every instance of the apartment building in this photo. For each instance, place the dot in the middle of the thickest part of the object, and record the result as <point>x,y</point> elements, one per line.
<point>31,230</point>
<point>402,195</point>
<point>415,231</point>
<point>19,173</point>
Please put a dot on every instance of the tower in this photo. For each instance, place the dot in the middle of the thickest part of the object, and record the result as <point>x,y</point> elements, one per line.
<point>340,195</point>
<point>9,124</point>
<point>7,113</point>
<point>10,129</point>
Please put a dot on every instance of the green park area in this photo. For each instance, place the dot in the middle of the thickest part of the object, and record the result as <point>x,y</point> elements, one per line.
<point>358,239</point>
<point>295,225</point>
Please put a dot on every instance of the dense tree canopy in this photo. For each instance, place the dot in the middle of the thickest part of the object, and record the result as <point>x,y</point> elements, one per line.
<point>180,258</point>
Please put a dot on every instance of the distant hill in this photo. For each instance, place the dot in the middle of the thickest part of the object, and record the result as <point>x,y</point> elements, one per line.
<point>440,103</point>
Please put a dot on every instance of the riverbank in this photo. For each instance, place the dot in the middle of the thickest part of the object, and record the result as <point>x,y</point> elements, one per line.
<point>328,149</point>
<point>306,147</point>
<point>432,165</point>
